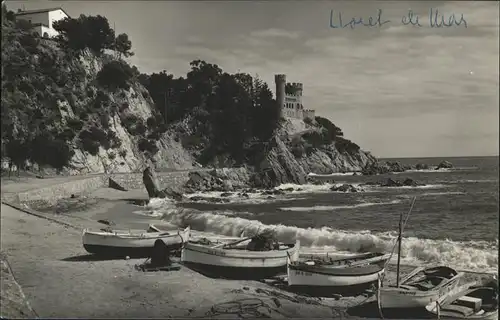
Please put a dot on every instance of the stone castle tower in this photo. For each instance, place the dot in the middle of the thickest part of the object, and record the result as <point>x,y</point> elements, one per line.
<point>289,99</point>
<point>280,80</point>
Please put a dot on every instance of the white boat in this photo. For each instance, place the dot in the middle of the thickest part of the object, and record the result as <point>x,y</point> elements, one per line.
<point>353,273</point>
<point>475,300</point>
<point>138,244</point>
<point>422,286</point>
<point>235,260</point>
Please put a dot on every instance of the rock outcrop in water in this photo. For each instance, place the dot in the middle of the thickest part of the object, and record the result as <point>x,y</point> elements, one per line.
<point>346,188</point>
<point>444,165</point>
<point>384,167</point>
<point>396,183</point>
<point>422,166</point>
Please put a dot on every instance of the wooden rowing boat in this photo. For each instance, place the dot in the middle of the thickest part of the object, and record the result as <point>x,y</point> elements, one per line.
<point>137,244</point>
<point>422,286</point>
<point>235,260</point>
<point>354,273</point>
<point>474,300</point>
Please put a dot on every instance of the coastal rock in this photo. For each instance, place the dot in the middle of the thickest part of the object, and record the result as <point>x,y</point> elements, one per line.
<point>395,183</point>
<point>224,180</point>
<point>444,165</point>
<point>391,183</point>
<point>410,183</point>
<point>151,183</point>
<point>345,188</point>
<point>385,167</point>
<point>115,185</point>
<point>422,166</point>
<point>172,193</point>
<point>328,159</point>
<point>153,188</point>
<point>279,166</point>
<point>209,199</point>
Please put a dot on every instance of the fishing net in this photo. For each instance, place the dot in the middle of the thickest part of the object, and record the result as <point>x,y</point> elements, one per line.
<point>264,241</point>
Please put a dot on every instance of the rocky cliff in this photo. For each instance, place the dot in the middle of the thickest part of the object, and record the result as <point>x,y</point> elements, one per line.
<point>137,105</point>
<point>93,115</point>
<point>73,114</point>
<point>288,157</point>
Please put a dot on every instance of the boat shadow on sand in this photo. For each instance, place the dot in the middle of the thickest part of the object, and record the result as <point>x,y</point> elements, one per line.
<point>370,310</point>
<point>90,257</point>
<point>279,282</point>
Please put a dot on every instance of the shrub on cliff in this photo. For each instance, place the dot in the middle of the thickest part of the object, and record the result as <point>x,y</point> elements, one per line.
<point>34,78</point>
<point>123,45</point>
<point>346,146</point>
<point>115,75</point>
<point>332,131</point>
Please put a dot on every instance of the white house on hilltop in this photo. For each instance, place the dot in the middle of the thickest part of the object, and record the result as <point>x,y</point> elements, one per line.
<point>43,19</point>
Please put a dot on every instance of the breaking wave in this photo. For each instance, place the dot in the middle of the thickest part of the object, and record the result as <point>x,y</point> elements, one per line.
<point>442,193</point>
<point>329,208</point>
<point>471,255</point>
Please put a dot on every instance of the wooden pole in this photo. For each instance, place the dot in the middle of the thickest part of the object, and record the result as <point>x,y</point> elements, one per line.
<point>399,247</point>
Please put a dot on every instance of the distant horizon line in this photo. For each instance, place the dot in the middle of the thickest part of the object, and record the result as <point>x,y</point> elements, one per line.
<point>438,157</point>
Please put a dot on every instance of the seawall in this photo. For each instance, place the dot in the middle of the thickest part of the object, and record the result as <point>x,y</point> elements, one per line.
<point>57,188</point>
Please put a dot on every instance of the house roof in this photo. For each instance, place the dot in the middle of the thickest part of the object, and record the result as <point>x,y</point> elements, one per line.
<point>20,13</point>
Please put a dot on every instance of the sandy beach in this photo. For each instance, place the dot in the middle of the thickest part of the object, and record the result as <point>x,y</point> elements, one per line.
<point>61,280</point>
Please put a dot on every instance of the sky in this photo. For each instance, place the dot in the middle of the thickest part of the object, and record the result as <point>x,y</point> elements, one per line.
<point>396,90</point>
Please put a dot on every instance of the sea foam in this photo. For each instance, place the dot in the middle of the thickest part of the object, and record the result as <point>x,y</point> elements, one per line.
<point>471,255</point>
<point>330,208</point>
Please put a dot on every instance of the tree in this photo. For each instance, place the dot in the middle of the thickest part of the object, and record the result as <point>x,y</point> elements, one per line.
<point>114,75</point>
<point>123,45</point>
<point>17,151</point>
<point>101,35</point>
<point>92,32</point>
<point>72,33</point>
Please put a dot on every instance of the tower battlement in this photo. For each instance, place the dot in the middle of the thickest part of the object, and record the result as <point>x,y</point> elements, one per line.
<point>294,89</point>
<point>279,78</point>
<point>289,98</point>
<point>297,85</point>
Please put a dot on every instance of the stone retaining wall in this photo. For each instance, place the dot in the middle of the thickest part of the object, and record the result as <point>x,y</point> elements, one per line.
<point>52,193</point>
<point>134,180</point>
<point>63,190</point>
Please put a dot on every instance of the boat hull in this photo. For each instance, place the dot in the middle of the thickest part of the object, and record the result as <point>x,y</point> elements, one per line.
<point>306,278</point>
<point>240,264</point>
<point>393,298</point>
<point>447,308</point>
<point>328,279</point>
<point>134,246</point>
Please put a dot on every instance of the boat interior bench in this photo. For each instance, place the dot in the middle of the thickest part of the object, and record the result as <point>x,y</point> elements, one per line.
<point>464,306</point>
<point>427,283</point>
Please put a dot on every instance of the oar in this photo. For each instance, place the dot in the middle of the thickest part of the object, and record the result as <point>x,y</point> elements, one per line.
<point>233,243</point>
<point>237,241</point>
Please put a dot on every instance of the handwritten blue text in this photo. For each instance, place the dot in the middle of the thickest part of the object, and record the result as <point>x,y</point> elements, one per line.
<point>436,19</point>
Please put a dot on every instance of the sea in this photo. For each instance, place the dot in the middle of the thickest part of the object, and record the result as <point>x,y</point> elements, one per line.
<point>453,221</point>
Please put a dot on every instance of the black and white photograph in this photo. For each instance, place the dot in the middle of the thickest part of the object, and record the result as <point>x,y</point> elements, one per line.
<point>249,159</point>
